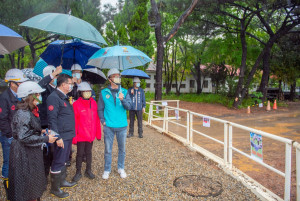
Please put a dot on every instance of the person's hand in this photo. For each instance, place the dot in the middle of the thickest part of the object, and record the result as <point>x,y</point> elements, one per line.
<point>104,124</point>
<point>132,91</point>
<point>57,71</point>
<point>60,143</point>
<point>121,96</point>
<point>43,131</point>
<point>143,110</point>
<point>52,138</point>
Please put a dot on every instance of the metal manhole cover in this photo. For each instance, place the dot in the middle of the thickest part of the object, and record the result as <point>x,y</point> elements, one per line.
<point>198,186</point>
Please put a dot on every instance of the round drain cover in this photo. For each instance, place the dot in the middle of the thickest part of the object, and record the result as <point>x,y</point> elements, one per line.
<point>198,186</point>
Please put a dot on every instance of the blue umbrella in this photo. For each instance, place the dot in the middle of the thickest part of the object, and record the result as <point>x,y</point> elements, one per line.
<point>41,64</point>
<point>10,40</point>
<point>131,73</point>
<point>120,57</point>
<point>71,51</point>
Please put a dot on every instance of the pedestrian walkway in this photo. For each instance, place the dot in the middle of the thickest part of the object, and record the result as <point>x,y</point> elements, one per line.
<point>153,163</point>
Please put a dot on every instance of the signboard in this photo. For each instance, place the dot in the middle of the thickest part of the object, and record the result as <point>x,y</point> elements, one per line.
<point>256,145</point>
<point>157,109</point>
<point>177,114</point>
<point>206,121</point>
<point>164,103</point>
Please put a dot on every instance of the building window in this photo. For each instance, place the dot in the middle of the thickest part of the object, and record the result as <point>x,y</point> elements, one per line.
<point>148,85</point>
<point>182,86</point>
<point>192,83</point>
<point>205,84</point>
<point>174,85</point>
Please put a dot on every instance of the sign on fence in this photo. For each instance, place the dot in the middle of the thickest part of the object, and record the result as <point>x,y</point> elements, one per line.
<point>256,146</point>
<point>206,121</point>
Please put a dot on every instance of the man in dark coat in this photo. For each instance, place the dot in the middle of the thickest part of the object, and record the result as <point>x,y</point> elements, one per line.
<point>61,120</point>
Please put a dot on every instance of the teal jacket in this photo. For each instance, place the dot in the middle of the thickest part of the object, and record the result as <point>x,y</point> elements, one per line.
<point>111,110</point>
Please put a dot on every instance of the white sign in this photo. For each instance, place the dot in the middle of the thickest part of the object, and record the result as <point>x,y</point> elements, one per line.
<point>177,114</point>
<point>260,105</point>
<point>256,145</point>
<point>164,103</point>
<point>206,122</point>
<point>157,109</point>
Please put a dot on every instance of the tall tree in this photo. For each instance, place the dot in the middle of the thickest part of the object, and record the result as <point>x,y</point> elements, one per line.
<point>161,40</point>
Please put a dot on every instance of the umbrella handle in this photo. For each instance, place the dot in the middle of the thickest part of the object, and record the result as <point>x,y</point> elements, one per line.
<point>62,54</point>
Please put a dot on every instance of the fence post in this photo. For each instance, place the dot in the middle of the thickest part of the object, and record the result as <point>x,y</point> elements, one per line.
<point>230,147</point>
<point>167,118</point>
<point>226,144</point>
<point>288,164</point>
<point>191,129</point>
<point>178,106</point>
<point>164,121</point>
<point>187,126</point>
<point>150,114</point>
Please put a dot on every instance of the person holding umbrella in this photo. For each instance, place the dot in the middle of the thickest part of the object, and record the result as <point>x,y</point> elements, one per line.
<point>137,96</point>
<point>76,74</point>
<point>112,105</point>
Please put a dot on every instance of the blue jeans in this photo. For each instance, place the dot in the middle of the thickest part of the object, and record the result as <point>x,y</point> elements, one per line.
<point>5,142</point>
<point>109,134</point>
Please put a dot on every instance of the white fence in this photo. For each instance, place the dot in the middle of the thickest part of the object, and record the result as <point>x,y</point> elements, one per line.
<point>226,162</point>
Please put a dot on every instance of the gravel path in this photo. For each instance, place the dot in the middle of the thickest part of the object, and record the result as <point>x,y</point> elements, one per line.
<point>152,165</point>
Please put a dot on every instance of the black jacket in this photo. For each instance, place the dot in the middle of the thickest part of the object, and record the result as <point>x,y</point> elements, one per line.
<point>74,93</point>
<point>8,104</point>
<point>43,107</point>
<point>61,115</point>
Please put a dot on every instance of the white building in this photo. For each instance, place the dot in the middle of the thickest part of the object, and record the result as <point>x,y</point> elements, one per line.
<point>188,85</point>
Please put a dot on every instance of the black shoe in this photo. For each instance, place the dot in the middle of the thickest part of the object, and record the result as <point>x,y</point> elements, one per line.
<point>63,182</point>
<point>89,174</point>
<point>140,135</point>
<point>77,177</point>
<point>130,135</point>
<point>68,163</point>
<point>55,186</point>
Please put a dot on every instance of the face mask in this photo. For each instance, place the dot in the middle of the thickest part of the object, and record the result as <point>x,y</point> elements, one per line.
<point>77,75</point>
<point>54,82</point>
<point>38,99</point>
<point>138,84</point>
<point>70,88</point>
<point>117,80</point>
<point>87,94</point>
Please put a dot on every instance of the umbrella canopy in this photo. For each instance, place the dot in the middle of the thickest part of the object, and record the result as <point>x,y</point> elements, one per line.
<point>65,24</point>
<point>74,51</point>
<point>41,64</point>
<point>131,73</point>
<point>10,40</point>
<point>94,76</point>
<point>120,57</point>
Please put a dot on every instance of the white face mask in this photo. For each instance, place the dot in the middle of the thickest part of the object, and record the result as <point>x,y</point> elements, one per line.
<point>77,75</point>
<point>138,84</point>
<point>70,87</point>
<point>117,80</point>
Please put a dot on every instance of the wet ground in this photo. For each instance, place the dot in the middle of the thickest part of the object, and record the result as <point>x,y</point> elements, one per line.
<point>284,122</point>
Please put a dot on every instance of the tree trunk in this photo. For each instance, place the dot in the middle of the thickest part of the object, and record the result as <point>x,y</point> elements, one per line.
<point>293,91</point>
<point>238,91</point>
<point>281,96</point>
<point>266,72</point>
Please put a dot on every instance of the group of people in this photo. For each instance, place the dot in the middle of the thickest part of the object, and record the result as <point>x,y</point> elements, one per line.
<point>39,122</point>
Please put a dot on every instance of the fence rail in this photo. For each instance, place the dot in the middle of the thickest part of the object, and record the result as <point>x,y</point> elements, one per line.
<point>226,162</point>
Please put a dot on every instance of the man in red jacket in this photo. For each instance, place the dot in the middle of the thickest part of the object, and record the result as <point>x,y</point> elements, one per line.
<point>87,128</point>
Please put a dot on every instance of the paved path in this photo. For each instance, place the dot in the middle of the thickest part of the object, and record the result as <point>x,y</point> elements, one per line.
<point>152,165</point>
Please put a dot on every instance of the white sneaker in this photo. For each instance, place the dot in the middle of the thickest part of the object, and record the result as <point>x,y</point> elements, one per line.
<point>122,173</point>
<point>105,175</point>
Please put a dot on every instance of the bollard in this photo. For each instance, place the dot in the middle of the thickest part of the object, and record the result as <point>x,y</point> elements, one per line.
<point>268,106</point>
<point>248,110</point>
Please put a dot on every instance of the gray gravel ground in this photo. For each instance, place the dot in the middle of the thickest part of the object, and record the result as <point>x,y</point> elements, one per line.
<point>152,164</point>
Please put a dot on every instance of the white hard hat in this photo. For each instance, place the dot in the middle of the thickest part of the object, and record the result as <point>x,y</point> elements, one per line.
<point>76,67</point>
<point>15,75</point>
<point>113,71</point>
<point>48,70</point>
<point>136,79</point>
<point>84,86</point>
<point>27,88</point>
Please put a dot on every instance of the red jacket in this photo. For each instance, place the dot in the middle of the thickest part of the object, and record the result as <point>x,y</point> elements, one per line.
<point>87,122</point>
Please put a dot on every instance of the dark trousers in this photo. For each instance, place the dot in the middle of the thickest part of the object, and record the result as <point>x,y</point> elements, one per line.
<point>48,157</point>
<point>84,148</point>
<point>139,116</point>
<point>61,155</point>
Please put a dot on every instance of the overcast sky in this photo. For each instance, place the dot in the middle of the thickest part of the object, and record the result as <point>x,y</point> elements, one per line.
<point>112,2</point>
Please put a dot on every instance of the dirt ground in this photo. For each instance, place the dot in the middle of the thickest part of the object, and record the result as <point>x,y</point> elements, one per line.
<point>283,122</point>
